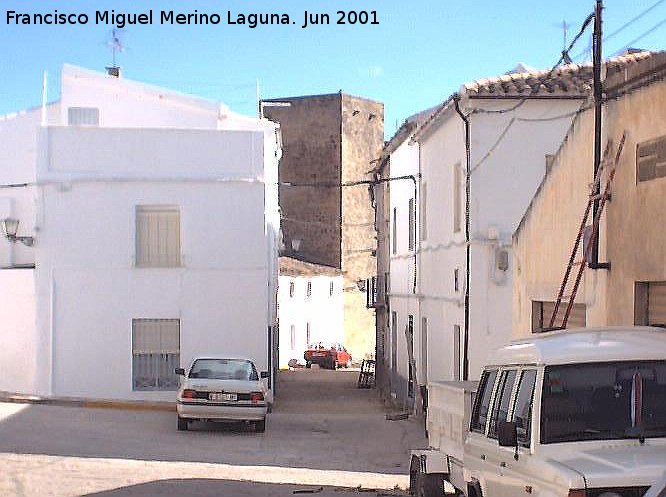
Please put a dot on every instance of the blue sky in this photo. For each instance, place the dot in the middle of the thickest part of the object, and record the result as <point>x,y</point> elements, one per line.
<point>420,53</point>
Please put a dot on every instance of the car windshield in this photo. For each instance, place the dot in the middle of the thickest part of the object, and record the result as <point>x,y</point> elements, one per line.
<point>224,369</point>
<point>603,401</point>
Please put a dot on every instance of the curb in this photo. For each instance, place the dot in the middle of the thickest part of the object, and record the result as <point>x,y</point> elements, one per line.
<point>130,405</point>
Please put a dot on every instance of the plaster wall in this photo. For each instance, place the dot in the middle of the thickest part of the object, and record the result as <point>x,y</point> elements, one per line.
<point>22,366</point>
<point>322,311</point>
<point>543,243</point>
<point>635,232</point>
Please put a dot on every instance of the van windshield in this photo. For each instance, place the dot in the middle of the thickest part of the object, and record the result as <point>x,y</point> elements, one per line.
<point>603,401</point>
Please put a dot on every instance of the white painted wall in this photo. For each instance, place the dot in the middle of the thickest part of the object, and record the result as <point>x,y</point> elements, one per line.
<point>323,311</point>
<point>507,162</point>
<point>85,186</point>
<point>19,355</point>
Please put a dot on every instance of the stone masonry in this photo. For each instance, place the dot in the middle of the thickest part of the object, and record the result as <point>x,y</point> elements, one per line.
<point>330,141</point>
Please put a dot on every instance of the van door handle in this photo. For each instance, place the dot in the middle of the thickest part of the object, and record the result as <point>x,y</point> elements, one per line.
<point>483,457</point>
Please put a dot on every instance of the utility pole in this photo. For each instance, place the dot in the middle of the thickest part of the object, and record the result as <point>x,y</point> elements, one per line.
<point>598,96</point>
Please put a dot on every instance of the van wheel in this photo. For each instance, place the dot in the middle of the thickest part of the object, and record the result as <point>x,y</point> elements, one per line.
<point>182,424</point>
<point>308,364</point>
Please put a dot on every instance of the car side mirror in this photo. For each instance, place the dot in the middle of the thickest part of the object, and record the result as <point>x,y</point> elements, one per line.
<point>180,371</point>
<point>507,434</point>
<point>265,374</point>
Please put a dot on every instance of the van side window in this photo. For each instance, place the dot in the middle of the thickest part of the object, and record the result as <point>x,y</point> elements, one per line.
<point>522,410</point>
<point>501,405</point>
<point>480,411</point>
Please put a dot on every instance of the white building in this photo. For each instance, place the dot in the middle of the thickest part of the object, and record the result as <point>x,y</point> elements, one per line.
<point>499,135</point>
<point>311,308</point>
<point>155,222</point>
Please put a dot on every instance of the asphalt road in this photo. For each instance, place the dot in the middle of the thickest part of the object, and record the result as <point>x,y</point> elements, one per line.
<point>323,433</point>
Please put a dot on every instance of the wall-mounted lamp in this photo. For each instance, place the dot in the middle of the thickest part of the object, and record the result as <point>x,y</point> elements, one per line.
<point>9,229</point>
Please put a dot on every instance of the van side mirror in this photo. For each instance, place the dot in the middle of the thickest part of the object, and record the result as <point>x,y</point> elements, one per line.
<point>265,374</point>
<point>507,434</point>
<point>180,371</point>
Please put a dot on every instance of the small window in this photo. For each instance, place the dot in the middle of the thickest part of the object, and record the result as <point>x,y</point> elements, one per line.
<point>330,289</point>
<point>501,405</point>
<point>394,232</point>
<point>651,159</point>
<point>423,211</point>
<point>291,289</point>
<point>157,236</point>
<point>522,411</point>
<point>543,311</point>
<point>482,402</point>
<point>308,291</point>
<point>155,354</point>
<point>292,333</point>
<point>457,198</point>
<point>412,224</point>
<point>456,280</point>
<point>83,116</point>
<point>307,333</point>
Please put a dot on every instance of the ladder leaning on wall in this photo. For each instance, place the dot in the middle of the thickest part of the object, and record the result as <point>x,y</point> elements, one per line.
<point>603,199</point>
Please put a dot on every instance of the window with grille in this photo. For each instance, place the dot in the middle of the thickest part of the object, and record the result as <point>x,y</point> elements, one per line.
<point>158,236</point>
<point>291,289</point>
<point>308,290</point>
<point>155,354</point>
<point>330,289</point>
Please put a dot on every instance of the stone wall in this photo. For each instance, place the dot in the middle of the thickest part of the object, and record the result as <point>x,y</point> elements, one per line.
<point>310,161</point>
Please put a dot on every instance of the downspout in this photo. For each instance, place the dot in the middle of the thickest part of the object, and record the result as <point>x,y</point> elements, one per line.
<point>465,120</point>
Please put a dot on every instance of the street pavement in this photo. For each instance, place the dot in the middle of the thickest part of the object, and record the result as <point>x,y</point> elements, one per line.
<point>324,437</point>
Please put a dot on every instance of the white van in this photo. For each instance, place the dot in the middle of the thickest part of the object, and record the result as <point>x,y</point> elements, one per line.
<point>572,413</point>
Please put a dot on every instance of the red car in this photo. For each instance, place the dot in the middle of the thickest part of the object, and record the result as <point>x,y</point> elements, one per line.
<point>330,357</point>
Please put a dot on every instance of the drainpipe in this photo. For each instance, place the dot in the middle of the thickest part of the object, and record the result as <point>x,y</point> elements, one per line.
<point>465,120</point>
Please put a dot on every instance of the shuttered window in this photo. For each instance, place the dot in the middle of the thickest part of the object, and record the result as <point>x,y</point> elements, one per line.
<point>650,303</point>
<point>542,312</point>
<point>412,224</point>
<point>155,354</point>
<point>651,159</point>
<point>83,116</point>
<point>457,198</point>
<point>158,236</point>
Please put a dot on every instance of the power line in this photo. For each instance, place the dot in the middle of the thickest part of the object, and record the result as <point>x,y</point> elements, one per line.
<point>549,74</point>
<point>622,28</point>
<point>649,31</point>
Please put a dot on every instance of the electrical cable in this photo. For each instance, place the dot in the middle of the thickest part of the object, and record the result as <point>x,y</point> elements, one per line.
<point>621,28</point>
<point>548,75</point>
<point>649,31</point>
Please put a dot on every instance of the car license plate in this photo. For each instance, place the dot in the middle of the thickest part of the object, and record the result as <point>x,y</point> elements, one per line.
<point>223,396</point>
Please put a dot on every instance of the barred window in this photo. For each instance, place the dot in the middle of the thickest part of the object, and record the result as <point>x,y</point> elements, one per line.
<point>155,354</point>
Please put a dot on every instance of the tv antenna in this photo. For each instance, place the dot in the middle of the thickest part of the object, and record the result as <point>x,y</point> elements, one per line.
<point>565,31</point>
<point>116,45</point>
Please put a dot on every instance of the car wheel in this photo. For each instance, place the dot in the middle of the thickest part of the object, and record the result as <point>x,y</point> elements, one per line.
<point>182,424</point>
<point>260,426</point>
<point>308,364</point>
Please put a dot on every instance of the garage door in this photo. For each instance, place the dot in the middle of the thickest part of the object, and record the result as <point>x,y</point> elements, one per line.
<point>657,304</point>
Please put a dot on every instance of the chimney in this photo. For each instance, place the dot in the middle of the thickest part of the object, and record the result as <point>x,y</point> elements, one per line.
<point>113,71</point>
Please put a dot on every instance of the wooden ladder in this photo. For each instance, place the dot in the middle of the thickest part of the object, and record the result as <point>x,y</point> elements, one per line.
<point>603,199</point>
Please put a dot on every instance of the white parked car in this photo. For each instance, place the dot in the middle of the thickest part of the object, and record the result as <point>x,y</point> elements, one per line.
<point>222,389</point>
